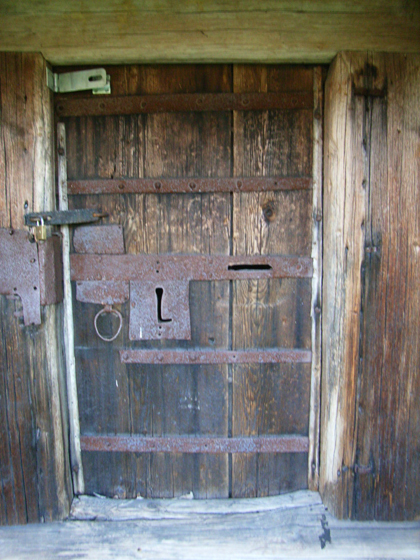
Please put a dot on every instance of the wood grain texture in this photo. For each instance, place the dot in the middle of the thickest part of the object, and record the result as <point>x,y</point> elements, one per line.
<point>197,400</point>
<point>278,528</point>
<point>270,399</point>
<point>68,321</point>
<point>371,326</point>
<point>142,399</point>
<point>212,31</point>
<point>316,303</point>
<point>34,466</point>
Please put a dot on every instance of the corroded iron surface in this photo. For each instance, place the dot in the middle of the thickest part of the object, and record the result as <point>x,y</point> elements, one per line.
<point>188,185</point>
<point>186,102</point>
<point>101,240</point>
<point>160,310</point>
<point>19,272</point>
<point>159,284</point>
<point>137,444</point>
<point>199,357</point>
<point>158,268</point>
<point>104,293</point>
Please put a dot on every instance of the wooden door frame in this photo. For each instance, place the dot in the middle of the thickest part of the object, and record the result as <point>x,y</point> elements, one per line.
<point>332,487</point>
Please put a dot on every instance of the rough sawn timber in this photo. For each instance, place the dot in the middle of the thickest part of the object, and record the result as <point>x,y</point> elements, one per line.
<point>271,31</point>
<point>370,444</point>
<point>291,526</point>
<point>35,482</point>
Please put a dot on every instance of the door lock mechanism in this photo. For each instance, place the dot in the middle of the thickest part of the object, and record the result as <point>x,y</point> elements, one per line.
<point>40,231</point>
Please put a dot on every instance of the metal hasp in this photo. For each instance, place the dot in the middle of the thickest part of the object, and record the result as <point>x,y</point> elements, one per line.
<point>64,217</point>
<point>30,271</point>
<point>96,80</point>
<point>158,285</point>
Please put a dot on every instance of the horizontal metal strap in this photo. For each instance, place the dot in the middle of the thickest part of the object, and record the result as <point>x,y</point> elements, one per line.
<point>182,102</point>
<point>199,357</point>
<point>188,185</point>
<point>192,444</point>
<point>65,217</point>
<point>159,268</point>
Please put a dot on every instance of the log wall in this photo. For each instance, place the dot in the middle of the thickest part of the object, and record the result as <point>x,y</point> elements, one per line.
<point>370,426</point>
<point>34,467</point>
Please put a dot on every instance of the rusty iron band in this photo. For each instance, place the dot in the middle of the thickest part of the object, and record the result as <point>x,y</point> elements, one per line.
<point>159,268</point>
<point>191,444</point>
<point>188,185</point>
<point>202,357</point>
<point>183,102</point>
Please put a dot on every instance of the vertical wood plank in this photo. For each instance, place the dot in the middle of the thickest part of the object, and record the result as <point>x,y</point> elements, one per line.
<point>35,476</point>
<point>157,400</point>
<point>187,399</point>
<point>344,216</point>
<point>270,399</point>
<point>316,303</point>
<point>367,416</point>
<point>73,408</point>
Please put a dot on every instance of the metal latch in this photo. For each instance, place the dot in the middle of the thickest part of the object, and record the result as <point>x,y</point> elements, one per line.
<point>96,80</point>
<point>64,217</point>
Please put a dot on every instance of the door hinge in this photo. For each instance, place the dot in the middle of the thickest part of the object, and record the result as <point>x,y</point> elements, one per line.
<point>96,80</point>
<point>357,469</point>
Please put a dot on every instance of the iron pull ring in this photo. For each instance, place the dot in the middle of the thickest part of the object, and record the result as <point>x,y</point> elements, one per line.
<point>108,309</point>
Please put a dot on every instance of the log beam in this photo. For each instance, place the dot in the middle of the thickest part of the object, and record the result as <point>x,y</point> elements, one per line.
<point>371,330</point>
<point>271,31</point>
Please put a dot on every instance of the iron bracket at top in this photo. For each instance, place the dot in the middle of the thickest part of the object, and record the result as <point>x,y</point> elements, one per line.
<point>96,80</point>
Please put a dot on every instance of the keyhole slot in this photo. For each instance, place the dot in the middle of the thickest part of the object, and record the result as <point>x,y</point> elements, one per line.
<point>159,296</point>
<point>250,267</point>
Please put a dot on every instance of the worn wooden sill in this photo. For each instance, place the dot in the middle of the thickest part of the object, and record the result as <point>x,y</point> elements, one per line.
<point>291,526</point>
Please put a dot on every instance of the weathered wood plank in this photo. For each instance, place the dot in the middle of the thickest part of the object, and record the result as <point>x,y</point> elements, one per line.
<point>344,215</point>
<point>370,328</point>
<point>276,528</point>
<point>180,400</point>
<point>35,475</point>
<point>89,508</point>
<point>214,31</point>
<point>316,303</point>
<point>173,400</point>
<point>269,313</point>
<point>68,327</point>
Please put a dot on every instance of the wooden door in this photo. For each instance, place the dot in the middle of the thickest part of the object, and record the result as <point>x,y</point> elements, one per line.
<point>113,140</point>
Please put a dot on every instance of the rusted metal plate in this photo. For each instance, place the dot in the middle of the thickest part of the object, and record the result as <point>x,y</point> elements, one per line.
<point>50,271</point>
<point>137,444</point>
<point>159,268</point>
<point>19,272</point>
<point>188,185</point>
<point>100,240</point>
<point>159,310</point>
<point>199,357</point>
<point>135,104</point>
<point>103,293</point>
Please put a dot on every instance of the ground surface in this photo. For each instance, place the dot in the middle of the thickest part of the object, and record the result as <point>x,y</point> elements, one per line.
<point>290,526</point>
